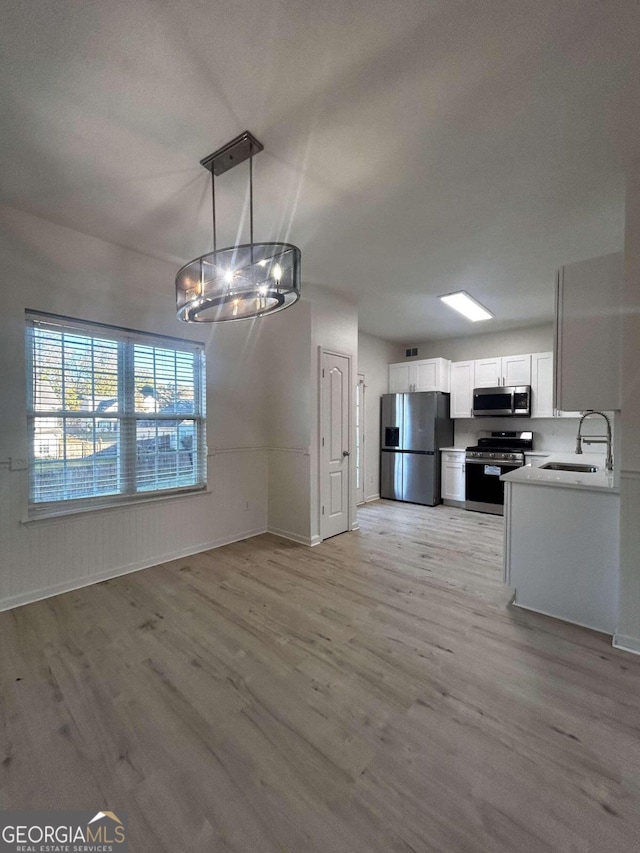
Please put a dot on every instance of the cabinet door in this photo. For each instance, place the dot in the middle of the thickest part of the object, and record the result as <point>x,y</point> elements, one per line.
<point>425,376</point>
<point>461,389</point>
<point>516,370</point>
<point>588,334</point>
<point>453,476</point>
<point>487,373</point>
<point>542,385</point>
<point>399,378</point>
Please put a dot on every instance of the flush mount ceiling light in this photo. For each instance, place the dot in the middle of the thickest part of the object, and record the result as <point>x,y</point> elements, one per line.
<point>243,281</point>
<point>466,305</point>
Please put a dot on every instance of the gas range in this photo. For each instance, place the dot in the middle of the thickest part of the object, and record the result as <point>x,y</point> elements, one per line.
<point>487,460</point>
<point>501,447</point>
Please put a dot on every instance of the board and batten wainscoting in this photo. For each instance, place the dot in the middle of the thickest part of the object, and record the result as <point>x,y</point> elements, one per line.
<point>244,497</point>
<point>48,556</point>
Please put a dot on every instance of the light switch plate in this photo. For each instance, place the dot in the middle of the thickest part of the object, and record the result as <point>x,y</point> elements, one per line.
<point>17,463</point>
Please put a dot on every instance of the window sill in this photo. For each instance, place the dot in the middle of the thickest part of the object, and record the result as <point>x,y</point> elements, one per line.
<point>63,514</point>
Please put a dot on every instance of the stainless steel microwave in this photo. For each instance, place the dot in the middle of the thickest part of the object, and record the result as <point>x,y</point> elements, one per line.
<point>507,401</point>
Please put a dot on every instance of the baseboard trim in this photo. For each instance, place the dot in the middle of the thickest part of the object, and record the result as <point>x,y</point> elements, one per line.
<point>293,537</point>
<point>78,583</point>
<point>626,644</point>
<point>449,502</point>
<point>514,603</point>
<point>371,498</point>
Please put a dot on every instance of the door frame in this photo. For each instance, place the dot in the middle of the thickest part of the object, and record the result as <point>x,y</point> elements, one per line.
<point>361,387</point>
<point>322,351</point>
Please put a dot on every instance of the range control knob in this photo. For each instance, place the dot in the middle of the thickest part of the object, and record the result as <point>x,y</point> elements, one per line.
<point>492,456</point>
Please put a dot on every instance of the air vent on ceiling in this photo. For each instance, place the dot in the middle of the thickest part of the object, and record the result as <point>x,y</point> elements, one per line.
<point>409,352</point>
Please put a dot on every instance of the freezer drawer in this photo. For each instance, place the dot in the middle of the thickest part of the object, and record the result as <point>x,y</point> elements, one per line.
<point>412,477</point>
<point>420,478</point>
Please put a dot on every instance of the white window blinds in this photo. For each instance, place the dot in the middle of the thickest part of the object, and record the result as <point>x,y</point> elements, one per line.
<point>112,414</point>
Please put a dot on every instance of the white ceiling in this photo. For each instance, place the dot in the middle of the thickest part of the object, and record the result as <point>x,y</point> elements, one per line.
<point>412,147</point>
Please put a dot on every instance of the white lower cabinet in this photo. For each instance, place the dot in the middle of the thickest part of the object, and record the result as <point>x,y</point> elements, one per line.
<point>561,552</point>
<point>453,475</point>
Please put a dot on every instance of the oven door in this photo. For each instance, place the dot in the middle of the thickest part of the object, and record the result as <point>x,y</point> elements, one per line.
<point>484,490</point>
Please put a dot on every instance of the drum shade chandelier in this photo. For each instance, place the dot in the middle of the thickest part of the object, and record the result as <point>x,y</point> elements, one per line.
<point>238,282</point>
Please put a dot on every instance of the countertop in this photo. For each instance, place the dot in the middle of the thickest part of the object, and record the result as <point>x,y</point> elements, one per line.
<point>534,475</point>
<point>457,449</point>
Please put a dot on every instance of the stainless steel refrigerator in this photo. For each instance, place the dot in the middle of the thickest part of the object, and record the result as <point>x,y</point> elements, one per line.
<point>413,428</point>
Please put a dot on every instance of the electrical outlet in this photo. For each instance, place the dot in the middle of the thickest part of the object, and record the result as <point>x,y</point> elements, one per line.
<point>17,463</point>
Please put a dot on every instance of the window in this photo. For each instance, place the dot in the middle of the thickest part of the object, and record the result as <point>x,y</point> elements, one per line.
<point>113,415</point>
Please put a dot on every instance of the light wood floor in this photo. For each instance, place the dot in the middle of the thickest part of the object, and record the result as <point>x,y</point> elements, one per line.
<point>373,694</point>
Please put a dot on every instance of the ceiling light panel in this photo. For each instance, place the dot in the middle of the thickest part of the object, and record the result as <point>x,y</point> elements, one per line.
<point>466,305</point>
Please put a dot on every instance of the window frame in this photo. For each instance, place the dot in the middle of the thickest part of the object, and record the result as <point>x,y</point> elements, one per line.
<point>126,415</point>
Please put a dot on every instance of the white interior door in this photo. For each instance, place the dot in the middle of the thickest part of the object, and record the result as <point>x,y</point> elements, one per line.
<point>335,446</point>
<point>360,387</point>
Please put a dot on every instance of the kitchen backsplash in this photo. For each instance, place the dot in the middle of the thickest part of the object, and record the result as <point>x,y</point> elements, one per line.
<point>557,435</point>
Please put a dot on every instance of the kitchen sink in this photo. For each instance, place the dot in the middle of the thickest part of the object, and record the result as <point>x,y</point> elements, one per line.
<point>577,467</point>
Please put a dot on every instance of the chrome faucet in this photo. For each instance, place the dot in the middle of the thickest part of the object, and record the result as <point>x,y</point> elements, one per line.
<point>596,439</point>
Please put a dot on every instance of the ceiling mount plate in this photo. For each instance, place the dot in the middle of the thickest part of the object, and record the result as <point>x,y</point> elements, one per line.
<point>234,152</point>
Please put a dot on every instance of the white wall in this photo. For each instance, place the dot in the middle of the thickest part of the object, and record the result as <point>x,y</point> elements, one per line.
<point>289,412</point>
<point>486,345</point>
<point>374,355</point>
<point>49,268</point>
<point>628,635</point>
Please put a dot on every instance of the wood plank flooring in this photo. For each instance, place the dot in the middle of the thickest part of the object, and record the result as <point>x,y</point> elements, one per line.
<point>375,693</point>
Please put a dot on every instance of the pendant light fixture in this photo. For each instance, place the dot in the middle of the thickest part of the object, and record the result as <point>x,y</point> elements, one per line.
<point>239,282</point>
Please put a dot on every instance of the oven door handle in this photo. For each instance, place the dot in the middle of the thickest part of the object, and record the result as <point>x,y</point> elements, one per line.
<point>500,463</point>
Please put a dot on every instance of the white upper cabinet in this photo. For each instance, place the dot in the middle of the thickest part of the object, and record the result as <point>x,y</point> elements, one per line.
<point>516,369</point>
<point>503,370</point>
<point>588,334</point>
<point>430,374</point>
<point>462,388</point>
<point>542,385</point>
<point>487,372</point>
<point>399,378</point>
<point>534,369</point>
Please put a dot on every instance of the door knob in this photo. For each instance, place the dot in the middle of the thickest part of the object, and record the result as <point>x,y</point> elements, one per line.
<point>346,453</point>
